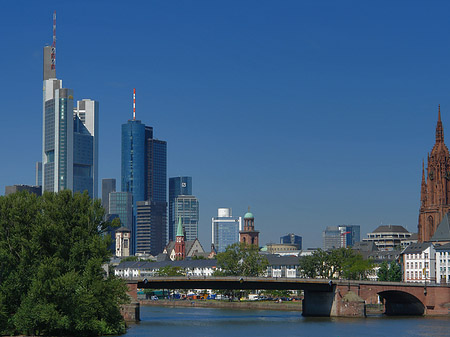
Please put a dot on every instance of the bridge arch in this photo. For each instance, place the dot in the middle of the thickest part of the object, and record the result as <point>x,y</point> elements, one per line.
<point>401,303</point>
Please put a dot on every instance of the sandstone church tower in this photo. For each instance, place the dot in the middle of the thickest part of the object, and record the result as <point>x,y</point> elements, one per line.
<point>435,190</point>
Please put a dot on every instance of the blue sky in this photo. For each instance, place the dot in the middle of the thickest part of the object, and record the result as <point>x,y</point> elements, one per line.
<point>313,113</point>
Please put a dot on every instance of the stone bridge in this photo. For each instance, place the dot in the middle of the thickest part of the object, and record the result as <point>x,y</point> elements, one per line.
<point>341,298</point>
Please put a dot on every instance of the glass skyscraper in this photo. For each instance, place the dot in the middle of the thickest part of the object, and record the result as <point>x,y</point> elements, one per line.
<point>108,186</point>
<point>69,137</point>
<point>186,207</point>
<point>292,239</point>
<point>144,173</point>
<point>225,229</point>
<point>121,203</point>
<point>177,186</point>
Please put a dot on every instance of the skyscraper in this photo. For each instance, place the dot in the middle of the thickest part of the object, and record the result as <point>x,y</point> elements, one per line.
<point>177,186</point>
<point>69,136</point>
<point>150,235</point>
<point>108,186</point>
<point>293,239</point>
<point>144,172</point>
<point>225,229</point>
<point>340,236</point>
<point>121,203</point>
<point>186,208</point>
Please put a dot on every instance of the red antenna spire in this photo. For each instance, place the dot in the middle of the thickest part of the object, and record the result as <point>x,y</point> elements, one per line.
<point>134,103</point>
<point>54,42</point>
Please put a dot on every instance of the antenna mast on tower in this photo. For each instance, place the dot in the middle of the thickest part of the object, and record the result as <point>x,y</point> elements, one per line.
<point>54,42</point>
<point>134,103</point>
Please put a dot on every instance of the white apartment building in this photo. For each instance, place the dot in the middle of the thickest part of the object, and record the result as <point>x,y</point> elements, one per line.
<point>443,263</point>
<point>419,263</point>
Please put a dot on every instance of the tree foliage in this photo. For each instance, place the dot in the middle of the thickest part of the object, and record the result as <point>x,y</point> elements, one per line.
<point>170,271</point>
<point>241,259</point>
<point>336,263</point>
<point>389,272</point>
<point>51,280</point>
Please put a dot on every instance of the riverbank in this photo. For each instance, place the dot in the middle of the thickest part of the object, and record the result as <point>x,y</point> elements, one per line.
<point>254,305</point>
<point>371,309</point>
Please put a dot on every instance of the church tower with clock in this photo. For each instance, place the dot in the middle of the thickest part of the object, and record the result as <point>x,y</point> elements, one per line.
<point>435,190</point>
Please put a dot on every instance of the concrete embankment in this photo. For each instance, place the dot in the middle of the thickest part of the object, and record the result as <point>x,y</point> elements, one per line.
<point>253,305</point>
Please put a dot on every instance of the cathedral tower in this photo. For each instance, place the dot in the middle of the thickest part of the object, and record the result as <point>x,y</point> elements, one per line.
<point>435,189</point>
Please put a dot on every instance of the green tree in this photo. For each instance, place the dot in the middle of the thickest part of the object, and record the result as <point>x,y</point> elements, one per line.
<point>383,272</point>
<point>395,272</point>
<point>241,259</point>
<point>170,271</point>
<point>51,279</point>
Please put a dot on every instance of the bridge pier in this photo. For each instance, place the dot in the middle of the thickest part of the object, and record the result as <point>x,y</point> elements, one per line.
<point>131,312</point>
<point>333,303</point>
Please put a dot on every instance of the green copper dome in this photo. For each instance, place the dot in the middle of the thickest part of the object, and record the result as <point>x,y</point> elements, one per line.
<point>248,215</point>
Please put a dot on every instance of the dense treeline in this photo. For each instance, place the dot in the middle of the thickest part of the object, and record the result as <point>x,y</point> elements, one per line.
<point>337,263</point>
<point>51,280</point>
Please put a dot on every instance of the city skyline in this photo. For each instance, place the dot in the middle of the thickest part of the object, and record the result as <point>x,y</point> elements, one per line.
<point>314,114</point>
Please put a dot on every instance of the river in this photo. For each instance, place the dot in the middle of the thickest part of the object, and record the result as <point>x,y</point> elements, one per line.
<point>206,322</point>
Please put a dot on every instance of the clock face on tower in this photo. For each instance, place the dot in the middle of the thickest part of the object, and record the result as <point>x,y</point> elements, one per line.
<point>431,175</point>
<point>447,175</point>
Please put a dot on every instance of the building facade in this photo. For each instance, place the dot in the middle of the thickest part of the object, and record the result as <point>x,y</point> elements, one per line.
<point>225,229</point>
<point>108,186</point>
<point>150,227</point>
<point>419,264</point>
<point>443,264</point>
<point>389,237</point>
<point>435,187</point>
<point>121,203</point>
<point>186,208</point>
<point>123,242</point>
<point>69,136</point>
<point>18,188</point>
<point>340,236</point>
<point>292,239</point>
<point>144,173</point>
<point>177,186</point>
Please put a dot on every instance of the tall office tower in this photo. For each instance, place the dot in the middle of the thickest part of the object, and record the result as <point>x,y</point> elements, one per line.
<point>340,236</point>
<point>186,208</point>
<point>225,229</point>
<point>85,144</point>
<point>292,239</point>
<point>177,186</point>
<point>144,170</point>
<point>121,203</point>
<point>69,137</point>
<point>150,234</point>
<point>38,173</point>
<point>108,186</point>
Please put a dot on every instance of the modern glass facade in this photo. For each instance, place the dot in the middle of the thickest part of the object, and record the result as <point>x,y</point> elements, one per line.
<point>108,186</point>
<point>150,227</point>
<point>292,239</point>
<point>177,186</point>
<point>225,229</point>
<point>186,207</point>
<point>144,172</point>
<point>121,203</point>
<point>340,236</point>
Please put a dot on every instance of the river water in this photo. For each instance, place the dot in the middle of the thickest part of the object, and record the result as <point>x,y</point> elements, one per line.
<point>205,322</point>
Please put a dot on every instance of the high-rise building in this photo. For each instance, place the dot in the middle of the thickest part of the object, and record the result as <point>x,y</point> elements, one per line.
<point>144,171</point>
<point>225,229</point>
<point>85,144</point>
<point>38,173</point>
<point>435,189</point>
<point>177,186</point>
<point>18,188</point>
<point>292,239</point>
<point>108,186</point>
<point>340,236</point>
<point>150,227</point>
<point>121,203</point>
<point>69,136</point>
<point>186,208</point>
